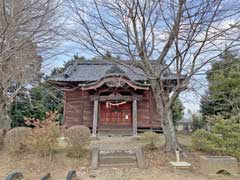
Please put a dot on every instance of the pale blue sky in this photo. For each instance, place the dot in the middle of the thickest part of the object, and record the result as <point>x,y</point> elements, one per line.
<point>66,50</point>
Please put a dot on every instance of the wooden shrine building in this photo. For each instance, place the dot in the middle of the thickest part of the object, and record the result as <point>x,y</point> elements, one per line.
<point>103,95</point>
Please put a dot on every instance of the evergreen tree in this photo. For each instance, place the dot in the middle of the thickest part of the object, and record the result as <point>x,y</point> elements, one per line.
<point>223,96</point>
<point>35,102</point>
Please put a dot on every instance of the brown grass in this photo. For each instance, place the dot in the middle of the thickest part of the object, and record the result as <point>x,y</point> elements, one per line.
<point>34,167</point>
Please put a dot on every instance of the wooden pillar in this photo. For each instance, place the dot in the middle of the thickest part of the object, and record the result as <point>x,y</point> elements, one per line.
<point>95,118</point>
<point>134,117</point>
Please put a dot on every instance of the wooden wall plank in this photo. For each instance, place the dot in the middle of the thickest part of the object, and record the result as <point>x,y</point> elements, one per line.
<point>78,110</point>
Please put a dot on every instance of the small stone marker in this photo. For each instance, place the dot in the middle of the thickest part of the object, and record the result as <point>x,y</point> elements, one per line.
<point>95,157</point>
<point>140,159</point>
<point>177,155</point>
<point>179,164</point>
<point>211,165</point>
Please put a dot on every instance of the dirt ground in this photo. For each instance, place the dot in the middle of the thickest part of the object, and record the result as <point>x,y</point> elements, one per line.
<point>34,167</point>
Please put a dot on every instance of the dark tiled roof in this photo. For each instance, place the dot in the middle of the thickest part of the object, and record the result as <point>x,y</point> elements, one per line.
<point>83,71</point>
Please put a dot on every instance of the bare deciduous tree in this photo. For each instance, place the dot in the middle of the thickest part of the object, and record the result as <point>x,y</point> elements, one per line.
<point>27,27</point>
<point>183,36</point>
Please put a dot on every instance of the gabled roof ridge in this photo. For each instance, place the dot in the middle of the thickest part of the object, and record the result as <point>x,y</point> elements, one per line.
<point>97,62</point>
<point>104,61</point>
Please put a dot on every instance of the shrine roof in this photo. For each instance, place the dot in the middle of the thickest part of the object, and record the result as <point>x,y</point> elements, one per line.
<point>91,71</point>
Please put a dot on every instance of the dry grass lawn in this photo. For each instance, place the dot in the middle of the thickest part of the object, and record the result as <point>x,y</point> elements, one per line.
<point>34,167</point>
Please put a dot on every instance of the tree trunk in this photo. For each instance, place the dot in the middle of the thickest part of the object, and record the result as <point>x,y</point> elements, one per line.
<point>171,142</point>
<point>165,114</point>
<point>5,121</point>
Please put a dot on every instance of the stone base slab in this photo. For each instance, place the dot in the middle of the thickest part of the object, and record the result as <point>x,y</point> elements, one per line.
<point>211,165</point>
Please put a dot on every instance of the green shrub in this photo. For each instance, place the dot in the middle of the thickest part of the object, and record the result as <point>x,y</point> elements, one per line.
<point>198,122</point>
<point>15,139</point>
<point>204,141</point>
<point>79,139</point>
<point>223,138</point>
<point>230,136</point>
<point>43,139</point>
<point>151,139</point>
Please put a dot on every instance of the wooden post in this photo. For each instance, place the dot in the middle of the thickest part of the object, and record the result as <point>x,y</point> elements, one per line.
<point>134,117</point>
<point>95,118</point>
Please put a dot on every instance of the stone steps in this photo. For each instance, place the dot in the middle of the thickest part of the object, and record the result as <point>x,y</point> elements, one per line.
<point>122,165</point>
<point>117,151</point>
<point>106,159</point>
<point>115,157</point>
